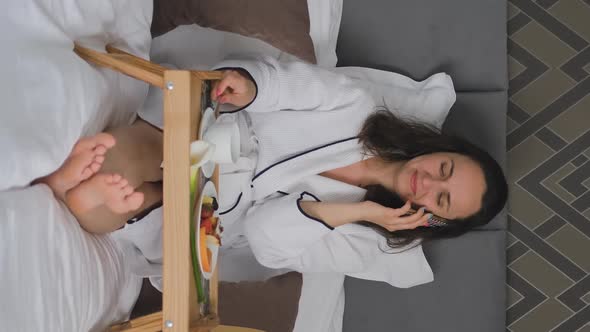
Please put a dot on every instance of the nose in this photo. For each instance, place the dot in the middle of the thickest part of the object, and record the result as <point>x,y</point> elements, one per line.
<point>430,187</point>
<point>430,183</point>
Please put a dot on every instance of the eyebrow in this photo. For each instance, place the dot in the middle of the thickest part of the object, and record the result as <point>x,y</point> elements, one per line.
<point>449,193</point>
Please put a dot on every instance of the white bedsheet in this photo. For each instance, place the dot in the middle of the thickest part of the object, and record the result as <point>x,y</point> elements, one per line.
<point>54,276</point>
<point>50,96</point>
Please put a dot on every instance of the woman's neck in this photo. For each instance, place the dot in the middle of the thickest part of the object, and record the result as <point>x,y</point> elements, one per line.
<point>370,171</point>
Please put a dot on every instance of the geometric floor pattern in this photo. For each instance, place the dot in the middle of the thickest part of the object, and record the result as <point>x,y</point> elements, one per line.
<point>548,142</point>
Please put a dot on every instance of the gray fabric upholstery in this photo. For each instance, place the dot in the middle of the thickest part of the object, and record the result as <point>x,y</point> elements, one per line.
<point>465,38</point>
<point>480,117</point>
<point>468,293</point>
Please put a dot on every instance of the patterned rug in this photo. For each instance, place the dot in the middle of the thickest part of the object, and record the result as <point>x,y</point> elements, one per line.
<point>548,144</point>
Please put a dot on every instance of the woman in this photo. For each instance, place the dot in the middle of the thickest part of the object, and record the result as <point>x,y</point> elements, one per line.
<point>316,156</point>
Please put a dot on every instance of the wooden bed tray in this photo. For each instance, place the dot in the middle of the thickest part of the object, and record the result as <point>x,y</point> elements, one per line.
<point>182,115</point>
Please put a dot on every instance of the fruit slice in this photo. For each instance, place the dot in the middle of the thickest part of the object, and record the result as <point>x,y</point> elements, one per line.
<point>205,262</point>
<point>209,255</point>
<point>212,241</point>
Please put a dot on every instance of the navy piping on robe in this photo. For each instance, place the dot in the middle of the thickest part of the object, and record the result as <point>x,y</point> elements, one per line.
<point>299,155</point>
<point>307,215</point>
<point>243,71</point>
<point>233,207</point>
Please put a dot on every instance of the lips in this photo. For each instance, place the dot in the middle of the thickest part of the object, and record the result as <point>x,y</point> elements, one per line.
<point>413,186</point>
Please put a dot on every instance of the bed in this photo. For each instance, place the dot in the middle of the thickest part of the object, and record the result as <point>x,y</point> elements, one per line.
<point>58,278</point>
<point>55,276</point>
<point>467,40</point>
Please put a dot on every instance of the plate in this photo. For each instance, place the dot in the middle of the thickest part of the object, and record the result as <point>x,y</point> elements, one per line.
<point>206,243</point>
<point>207,119</point>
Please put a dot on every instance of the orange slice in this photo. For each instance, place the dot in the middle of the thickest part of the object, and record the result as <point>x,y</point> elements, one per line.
<point>203,250</point>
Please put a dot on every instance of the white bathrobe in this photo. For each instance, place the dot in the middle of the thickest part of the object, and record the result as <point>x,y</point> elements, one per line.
<point>302,122</point>
<point>305,121</point>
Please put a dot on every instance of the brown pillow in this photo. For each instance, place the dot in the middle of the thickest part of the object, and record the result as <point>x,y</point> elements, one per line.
<point>270,305</point>
<point>281,23</point>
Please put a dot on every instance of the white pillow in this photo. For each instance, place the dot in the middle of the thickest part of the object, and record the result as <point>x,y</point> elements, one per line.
<point>55,276</point>
<point>428,101</point>
<point>324,25</point>
<point>51,96</point>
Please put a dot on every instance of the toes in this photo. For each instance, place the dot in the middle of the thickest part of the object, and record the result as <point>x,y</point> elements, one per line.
<point>81,160</point>
<point>109,178</point>
<point>100,150</point>
<point>99,159</point>
<point>127,190</point>
<point>134,200</point>
<point>87,173</point>
<point>94,167</point>
<point>83,144</point>
<point>105,139</point>
<point>123,183</point>
<point>116,178</point>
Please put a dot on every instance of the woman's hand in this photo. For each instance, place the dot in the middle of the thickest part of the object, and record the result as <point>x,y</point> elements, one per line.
<point>234,88</point>
<point>394,219</point>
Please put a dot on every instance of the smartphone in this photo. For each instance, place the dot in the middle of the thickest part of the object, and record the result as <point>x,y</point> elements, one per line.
<point>379,194</point>
<point>433,220</point>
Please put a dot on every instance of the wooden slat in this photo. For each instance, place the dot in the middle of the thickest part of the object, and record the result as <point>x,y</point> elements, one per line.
<point>207,75</point>
<point>181,105</point>
<point>226,328</point>
<point>199,74</point>
<point>125,63</point>
<point>151,322</point>
<point>142,63</point>
<point>148,65</point>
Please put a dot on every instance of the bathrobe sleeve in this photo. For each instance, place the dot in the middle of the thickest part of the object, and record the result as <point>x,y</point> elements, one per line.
<point>281,235</point>
<point>297,86</point>
<point>279,231</point>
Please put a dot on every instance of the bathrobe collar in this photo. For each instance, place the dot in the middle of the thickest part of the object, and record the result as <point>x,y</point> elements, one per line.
<point>282,174</point>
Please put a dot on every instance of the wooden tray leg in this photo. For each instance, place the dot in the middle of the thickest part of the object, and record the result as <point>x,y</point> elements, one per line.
<point>125,63</point>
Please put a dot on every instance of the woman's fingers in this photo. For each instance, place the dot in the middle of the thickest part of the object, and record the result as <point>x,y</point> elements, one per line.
<point>411,218</point>
<point>220,86</point>
<point>405,209</point>
<point>422,221</point>
<point>233,89</point>
<point>408,222</point>
<point>227,81</point>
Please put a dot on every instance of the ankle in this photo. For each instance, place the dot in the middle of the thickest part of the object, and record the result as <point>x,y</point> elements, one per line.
<point>54,182</point>
<point>75,202</point>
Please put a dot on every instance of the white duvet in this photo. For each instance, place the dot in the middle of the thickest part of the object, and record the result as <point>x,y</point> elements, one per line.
<point>54,276</point>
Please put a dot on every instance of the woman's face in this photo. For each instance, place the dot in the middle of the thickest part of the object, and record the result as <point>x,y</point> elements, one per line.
<point>449,185</point>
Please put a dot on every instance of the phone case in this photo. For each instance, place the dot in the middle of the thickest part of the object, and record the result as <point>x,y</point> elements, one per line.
<point>433,220</point>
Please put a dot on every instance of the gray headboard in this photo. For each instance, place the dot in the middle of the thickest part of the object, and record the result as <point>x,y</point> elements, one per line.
<point>467,40</point>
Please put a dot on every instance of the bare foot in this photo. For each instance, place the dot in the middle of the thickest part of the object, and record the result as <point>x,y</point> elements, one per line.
<point>84,161</point>
<point>110,190</point>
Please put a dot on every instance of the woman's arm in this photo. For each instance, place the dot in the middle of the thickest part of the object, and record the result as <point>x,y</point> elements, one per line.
<point>287,232</point>
<point>335,214</point>
<point>338,214</point>
<point>286,86</point>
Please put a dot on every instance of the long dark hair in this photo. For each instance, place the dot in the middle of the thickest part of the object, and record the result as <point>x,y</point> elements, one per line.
<point>386,136</point>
